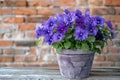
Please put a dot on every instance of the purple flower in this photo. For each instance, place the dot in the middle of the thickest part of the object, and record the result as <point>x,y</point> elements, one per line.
<point>99,35</point>
<point>57,37</point>
<point>50,23</point>
<point>39,32</point>
<point>47,31</point>
<point>111,28</point>
<point>92,30</point>
<point>62,29</point>
<point>78,13</point>
<point>80,34</point>
<point>49,39</point>
<point>90,21</point>
<point>80,22</point>
<point>99,21</point>
<point>87,13</point>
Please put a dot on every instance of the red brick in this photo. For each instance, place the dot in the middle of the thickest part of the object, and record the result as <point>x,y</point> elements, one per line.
<point>106,64</point>
<point>103,11</point>
<point>15,65</point>
<point>46,11</point>
<point>8,51</point>
<point>25,11</point>
<point>109,43</point>
<point>19,58</point>
<point>99,58</point>
<point>14,3</point>
<point>33,51</point>
<point>0,11</point>
<point>113,18</point>
<point>14,20</point>
<point>32,64</point>
<point>1,35</point>
<point>105,50</point>
<point>49,65</point>
<point>21,3</point>
<point>96,3</point>
<point>36,19</point>
<point>40,3</point>
<point>1,51</point>
<point>6,43</point>
<point>113,49</point>
<point>117,11</point>
<point>118,35</point>
<point>30,58</point>
<point>95,64</point>
<point>6,58</point>
<point>112,2</point>
<point>83,2</point>
<point>64,2</point>
<point>31,35</point>
<point>6,11</point>
<point>28,26</point>
<point>113,57</point>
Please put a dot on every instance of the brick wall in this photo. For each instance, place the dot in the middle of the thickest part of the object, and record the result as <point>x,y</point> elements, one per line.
<point>18,19</point>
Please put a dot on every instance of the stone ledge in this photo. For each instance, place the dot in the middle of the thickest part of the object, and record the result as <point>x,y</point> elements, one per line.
<point>52,73</point>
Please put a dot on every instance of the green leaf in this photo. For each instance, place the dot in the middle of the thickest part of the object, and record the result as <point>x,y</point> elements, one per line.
<point>58,49</point>
<point>37,42</point>
<point>98,50</point>
<point>55,45</point>
<point>67,45</point>
<point>85,47</point>
<point>91,38</point>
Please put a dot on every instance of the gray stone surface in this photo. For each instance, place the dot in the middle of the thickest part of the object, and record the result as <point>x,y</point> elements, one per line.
<point>52,73</point>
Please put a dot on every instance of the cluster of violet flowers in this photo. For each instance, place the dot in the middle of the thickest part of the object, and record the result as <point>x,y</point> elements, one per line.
<point>55,28</point>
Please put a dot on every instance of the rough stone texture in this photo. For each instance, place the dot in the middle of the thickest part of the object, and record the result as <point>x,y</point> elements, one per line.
<point>52,73</point>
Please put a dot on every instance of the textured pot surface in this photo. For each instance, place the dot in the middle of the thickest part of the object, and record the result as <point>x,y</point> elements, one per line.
<point>75,64</point>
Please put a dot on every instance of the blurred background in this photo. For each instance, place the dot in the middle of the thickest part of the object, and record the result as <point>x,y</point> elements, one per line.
<point>19,18</point>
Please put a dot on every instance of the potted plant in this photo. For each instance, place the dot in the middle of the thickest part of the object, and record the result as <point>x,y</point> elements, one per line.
<point>76,37</point>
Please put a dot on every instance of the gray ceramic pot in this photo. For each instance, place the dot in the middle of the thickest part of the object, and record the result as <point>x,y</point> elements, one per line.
<point>75,64</point>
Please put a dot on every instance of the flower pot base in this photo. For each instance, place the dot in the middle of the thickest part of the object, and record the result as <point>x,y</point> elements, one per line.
<point>75,65</point>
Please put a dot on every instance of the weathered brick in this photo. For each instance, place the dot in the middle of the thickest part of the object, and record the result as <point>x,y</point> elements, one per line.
<point>24,11</point>
<point>6,11</point>
<point>113,18</point>
<point>16,65</point>
<point>103,11</point>
<point>31,35</point>
<point>96,3</point>
<point>106,64</point>
<point>40,3</point>
<point>12,51</point>
<point>24,26</point>
<point>31,64</point>
<point>113,49</point>
<point>64,2</point>
<point>6,43</point>
<point>1,35</point>
<point>0,11</point>
<point>33,51</point>
<point>15,3</point>
<point>19,58</point>
<point>111,2</point>
<point>6,58</point>
<point>49,65</point>
<point>45,11</point>
<point>1,51</point>
<point>96,64</point>
<point>83,2</point>
<point>14,20</point>
<point>118,35</point>
<point>117,43</point>
<point>21,3</point>
<point>25,43</point>
<point>30,58</point>
<point>99,58</point>
<point>105,50</point>
<point>36,19</point>
<point>113,57</point>
<point>117,11</point>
